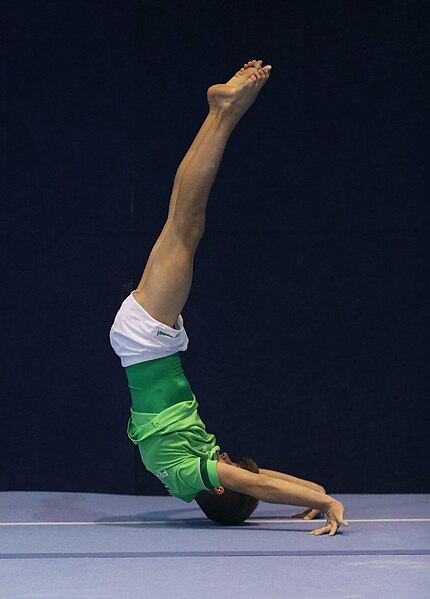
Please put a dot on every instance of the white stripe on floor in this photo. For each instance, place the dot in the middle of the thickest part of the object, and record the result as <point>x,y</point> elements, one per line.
<point>251,521</point>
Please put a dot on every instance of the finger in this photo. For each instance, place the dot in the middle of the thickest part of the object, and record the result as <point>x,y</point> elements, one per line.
<point>299,515</point>
<point>312,514</point>
<point>333,530</point>
<point>302,514</point>
<point>320,531</point>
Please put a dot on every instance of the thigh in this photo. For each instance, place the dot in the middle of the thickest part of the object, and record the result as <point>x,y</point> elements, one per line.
<point>166,280</point>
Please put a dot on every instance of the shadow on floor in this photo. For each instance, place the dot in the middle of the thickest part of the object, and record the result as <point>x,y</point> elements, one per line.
<point>172,519</point>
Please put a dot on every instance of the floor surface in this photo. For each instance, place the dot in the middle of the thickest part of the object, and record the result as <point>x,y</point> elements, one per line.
<point>70,545</point>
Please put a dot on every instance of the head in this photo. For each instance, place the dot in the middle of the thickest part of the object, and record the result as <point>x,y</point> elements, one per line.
<point>224,506</point>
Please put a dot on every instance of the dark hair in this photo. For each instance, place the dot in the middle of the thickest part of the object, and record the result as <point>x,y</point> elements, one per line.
<point>231,507</point>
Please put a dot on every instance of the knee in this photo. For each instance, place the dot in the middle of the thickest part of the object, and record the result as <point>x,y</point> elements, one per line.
<point>190,231</point>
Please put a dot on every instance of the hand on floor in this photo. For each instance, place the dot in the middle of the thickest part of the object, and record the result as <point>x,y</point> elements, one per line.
<point>308,514</point>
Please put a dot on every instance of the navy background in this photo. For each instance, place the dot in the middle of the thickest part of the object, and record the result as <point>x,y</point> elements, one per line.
<point>308,315</point>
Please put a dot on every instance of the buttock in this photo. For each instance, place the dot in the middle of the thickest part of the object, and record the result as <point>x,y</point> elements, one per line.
<point>136,336</point>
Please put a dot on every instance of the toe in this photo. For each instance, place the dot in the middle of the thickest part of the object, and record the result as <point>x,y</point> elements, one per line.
<point>263,77</point>
<point>266,72</point>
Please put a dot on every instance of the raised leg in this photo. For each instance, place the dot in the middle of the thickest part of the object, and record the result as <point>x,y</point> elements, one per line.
<point>166,280</point>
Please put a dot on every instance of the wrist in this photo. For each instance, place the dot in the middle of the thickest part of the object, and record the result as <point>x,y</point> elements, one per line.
<point>324,502</point>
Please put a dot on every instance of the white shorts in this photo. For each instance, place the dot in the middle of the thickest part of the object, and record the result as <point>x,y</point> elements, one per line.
<point>137,337</point>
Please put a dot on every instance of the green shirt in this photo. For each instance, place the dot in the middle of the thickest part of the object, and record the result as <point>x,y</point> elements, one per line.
<point>164,423</point>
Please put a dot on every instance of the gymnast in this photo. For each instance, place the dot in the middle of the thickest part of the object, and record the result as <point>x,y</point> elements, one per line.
<point>148,333</point>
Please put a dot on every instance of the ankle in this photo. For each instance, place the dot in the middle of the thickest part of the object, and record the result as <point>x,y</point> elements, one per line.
<point>226,116</point>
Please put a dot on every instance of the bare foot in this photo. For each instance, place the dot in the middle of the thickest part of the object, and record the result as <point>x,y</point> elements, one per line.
<point>241,91</point>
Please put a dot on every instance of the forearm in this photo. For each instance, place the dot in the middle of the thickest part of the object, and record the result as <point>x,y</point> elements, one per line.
<point>277,490</point>
<point>293,479</point>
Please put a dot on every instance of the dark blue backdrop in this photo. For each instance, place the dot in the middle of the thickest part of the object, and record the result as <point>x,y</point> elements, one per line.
<point>308,315</point>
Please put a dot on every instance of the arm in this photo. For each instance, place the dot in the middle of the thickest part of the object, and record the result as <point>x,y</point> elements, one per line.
<point>293,479</point>
<point>278,490</point>
<point>271,489</point>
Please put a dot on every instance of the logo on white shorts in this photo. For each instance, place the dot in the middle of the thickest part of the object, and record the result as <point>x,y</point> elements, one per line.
<point>163,334</point>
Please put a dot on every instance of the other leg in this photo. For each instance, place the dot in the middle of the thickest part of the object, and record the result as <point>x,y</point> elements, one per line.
<point>166,281</point>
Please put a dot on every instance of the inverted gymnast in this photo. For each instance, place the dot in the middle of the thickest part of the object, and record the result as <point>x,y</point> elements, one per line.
<point>148,332</point>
